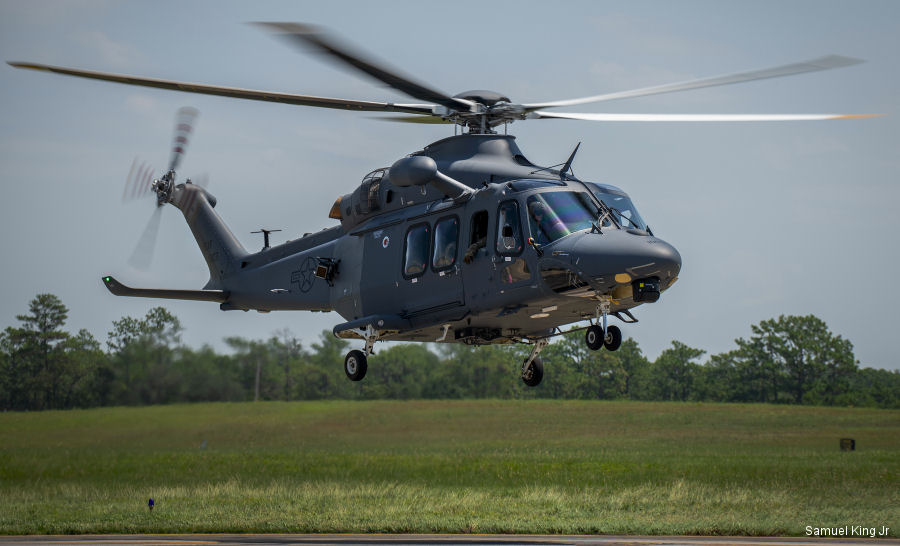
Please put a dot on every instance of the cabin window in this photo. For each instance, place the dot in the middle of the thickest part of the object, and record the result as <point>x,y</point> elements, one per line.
<point>446,237</point>
<point>478,227</point>
<point>509,229</point>
<point>415,251</point>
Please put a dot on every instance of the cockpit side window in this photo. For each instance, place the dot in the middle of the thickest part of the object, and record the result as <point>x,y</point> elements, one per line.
<point>509,229</point>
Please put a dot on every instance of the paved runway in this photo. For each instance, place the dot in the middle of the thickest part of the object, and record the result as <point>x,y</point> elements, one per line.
<point>440,540</point>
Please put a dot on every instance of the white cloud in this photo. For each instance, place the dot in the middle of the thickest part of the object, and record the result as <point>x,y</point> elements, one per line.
<point>111,51</point>
<point>141,103</point>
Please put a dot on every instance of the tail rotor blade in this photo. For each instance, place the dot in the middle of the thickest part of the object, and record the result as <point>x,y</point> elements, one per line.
<point>143,252</point>
<point>139,182</point>
<point>130,180</point>
<point>184,126</point>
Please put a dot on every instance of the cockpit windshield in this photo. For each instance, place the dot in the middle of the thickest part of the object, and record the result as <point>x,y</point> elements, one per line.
<point>553,215</point>
<point>623,209</point>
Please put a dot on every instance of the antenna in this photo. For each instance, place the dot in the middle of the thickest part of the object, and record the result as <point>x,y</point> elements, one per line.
<point>265,233</point>
<point>567,166</point>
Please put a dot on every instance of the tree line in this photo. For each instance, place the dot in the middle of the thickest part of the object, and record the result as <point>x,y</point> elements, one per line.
<point>787,360</point>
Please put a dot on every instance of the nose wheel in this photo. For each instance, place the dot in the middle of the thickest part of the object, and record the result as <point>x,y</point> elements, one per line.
<point>595,339</point>
<point>601,335</point>
<point>613,338</point>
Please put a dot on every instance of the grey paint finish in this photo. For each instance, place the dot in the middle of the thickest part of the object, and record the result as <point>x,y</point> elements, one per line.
<point>500,297</point>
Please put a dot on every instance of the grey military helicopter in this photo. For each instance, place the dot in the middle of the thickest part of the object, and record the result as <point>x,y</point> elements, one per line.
<point>463,241</point>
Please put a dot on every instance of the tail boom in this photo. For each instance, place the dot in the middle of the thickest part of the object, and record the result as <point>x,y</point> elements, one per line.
<point>221,250</point>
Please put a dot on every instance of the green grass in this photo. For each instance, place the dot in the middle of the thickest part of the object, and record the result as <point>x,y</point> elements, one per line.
<point>470,466</point>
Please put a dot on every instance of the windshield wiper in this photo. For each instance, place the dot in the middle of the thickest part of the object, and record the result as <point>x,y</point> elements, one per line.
<point>622,216</point>
<point>604,212</point>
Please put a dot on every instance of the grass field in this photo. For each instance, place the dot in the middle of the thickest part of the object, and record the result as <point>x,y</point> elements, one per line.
<point>468,466</point>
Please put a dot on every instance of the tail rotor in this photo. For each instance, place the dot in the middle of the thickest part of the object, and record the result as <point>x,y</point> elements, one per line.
<point>140,183</point>
<point>142,255</point>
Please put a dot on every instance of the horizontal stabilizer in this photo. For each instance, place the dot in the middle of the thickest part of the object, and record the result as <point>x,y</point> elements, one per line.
<point>120,289</point>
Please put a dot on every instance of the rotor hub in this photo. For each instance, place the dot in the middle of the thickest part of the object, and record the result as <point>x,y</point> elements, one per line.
<point>487,98</point>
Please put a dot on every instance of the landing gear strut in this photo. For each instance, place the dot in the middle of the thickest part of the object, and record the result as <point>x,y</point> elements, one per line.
<point>533,366</point>
<point>356,362</point>
<point>601,335</point>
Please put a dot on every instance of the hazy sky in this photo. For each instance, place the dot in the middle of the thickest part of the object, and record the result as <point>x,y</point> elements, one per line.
<point>770,218</point>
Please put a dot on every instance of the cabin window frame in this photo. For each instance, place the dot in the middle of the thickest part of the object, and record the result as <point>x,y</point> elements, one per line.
<point>499,234</point>
<point>434,242</point>
<point>403,257</point>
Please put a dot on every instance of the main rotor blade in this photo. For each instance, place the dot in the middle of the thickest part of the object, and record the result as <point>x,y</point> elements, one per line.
<point>540,114</point>
<point>234,92</point>
<point>143,251</point>
<point>813,65</point>
<point>309,35</point>
<point>415,119</point>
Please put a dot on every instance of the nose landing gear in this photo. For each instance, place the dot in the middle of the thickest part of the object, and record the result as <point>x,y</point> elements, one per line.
<point>598,336</point>
<point>595,339</point>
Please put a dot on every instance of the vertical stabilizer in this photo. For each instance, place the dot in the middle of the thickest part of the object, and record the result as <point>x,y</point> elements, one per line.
<point>220,248</point>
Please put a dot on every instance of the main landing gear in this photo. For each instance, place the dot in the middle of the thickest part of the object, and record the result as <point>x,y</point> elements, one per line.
<point>601,335</point>
<point>533,366</point>
<point>356,362</point>
<point>355,365</point>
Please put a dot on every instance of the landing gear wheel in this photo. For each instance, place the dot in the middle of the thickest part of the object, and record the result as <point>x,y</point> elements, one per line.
<point>533,375</point>
<point>613,338</point>
<point>594,337</point>
<point>355,365</point>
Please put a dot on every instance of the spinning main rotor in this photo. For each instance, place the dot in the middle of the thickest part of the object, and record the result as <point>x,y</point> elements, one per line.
<point>479,111</point>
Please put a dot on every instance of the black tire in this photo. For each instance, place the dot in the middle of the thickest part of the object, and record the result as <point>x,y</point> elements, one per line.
<point>593,337</point>
<point>613,338</point>
<point>355,365</point>
<point>533,375</point>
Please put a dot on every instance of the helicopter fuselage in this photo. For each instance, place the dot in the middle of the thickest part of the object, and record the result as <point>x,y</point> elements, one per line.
<point>524,252</point>
<point>465,240</point>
